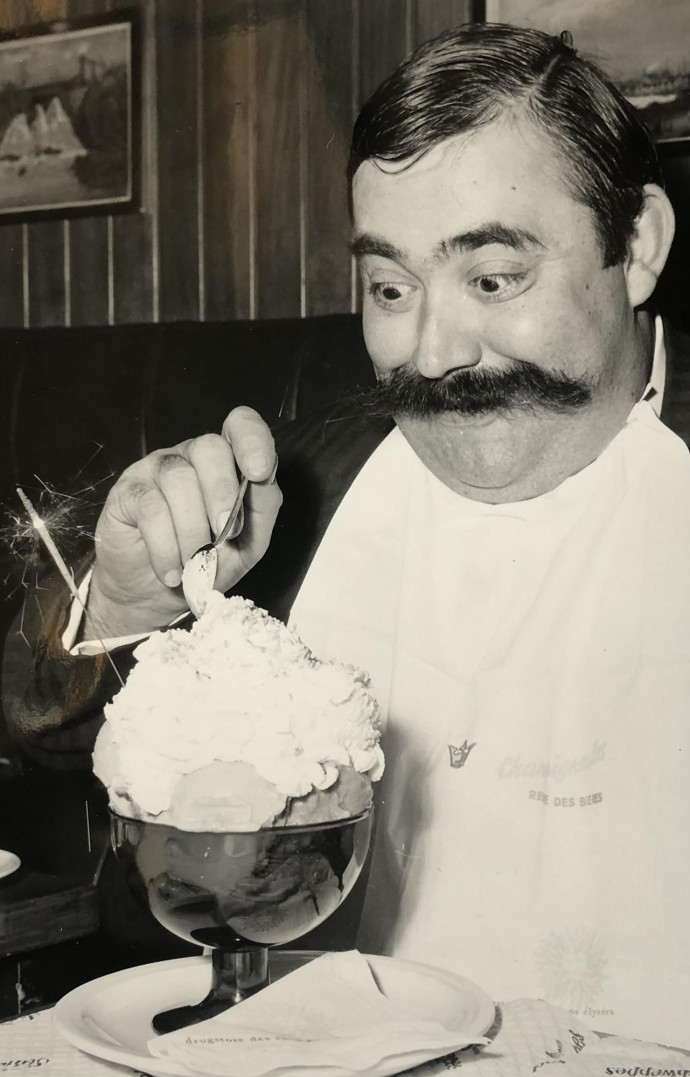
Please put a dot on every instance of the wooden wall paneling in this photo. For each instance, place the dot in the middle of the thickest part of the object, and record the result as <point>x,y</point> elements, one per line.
<point>384,40</point>
<point>433,16</point>
<point>88,236</point>
<point>328,73</point>
<point>134,251</point>
<point>11,275</point>
<point>278,32</point>
<point>133,274</point>
<point>15,13</point>
<point>89,293</point>
<point>46,271</point>
<point>228,194</point>
<point>177,25</point>
<point>82,8</point>
<point>247,108</point>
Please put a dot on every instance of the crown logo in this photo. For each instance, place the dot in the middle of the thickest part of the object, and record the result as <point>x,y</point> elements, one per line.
<point>458,756</point>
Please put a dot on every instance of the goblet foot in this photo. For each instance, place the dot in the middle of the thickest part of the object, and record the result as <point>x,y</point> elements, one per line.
<point>237,974</point>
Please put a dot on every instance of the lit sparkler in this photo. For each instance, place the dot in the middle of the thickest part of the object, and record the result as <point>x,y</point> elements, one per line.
<point>69,518</point>
<point>44,534</point>
<point>66,517</point>
<point>40,527</point>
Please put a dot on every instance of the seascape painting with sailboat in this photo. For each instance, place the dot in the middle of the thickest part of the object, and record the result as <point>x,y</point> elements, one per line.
<point>65,120</point>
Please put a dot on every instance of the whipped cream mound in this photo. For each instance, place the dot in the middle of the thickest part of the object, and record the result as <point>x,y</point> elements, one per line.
<point>234,724</point>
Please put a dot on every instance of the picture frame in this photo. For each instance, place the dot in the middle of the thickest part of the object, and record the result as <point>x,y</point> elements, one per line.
<point>70,119</point>
<point>643,49</point>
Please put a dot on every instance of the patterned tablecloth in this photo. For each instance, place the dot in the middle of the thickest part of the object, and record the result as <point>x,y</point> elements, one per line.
<point>531,1036</point>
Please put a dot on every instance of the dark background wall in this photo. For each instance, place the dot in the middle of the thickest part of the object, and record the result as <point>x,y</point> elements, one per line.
<point>247,109</point>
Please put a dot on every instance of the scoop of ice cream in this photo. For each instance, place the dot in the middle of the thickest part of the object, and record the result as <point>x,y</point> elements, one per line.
<point>224,796</point>
<point>234,725</point>
<point>349,795</point>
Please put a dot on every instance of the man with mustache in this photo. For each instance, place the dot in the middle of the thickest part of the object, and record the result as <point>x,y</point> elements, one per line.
<point>507,557</point>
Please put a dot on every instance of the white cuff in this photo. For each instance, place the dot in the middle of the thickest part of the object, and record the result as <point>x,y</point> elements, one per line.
<point>97,646</point>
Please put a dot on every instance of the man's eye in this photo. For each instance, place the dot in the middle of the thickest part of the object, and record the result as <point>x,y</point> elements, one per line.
<point>388,295</point>
<point>497,286</point>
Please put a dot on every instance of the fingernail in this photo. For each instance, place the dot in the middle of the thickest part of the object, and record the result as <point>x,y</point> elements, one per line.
<point>256,462</point>
<point>172,578</point>
<point>221,521</point>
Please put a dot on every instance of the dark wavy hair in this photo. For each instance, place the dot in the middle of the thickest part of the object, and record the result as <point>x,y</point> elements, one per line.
<point>471,75</point>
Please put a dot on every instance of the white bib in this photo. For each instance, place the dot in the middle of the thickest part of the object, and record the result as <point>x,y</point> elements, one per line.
<point>533,663</point>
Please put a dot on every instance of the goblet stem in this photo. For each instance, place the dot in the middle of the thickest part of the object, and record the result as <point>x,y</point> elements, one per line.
<point>237,974</point>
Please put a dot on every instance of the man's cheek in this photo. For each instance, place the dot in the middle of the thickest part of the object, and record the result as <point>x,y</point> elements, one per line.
<point>526,336</point>
<point>390,343</point>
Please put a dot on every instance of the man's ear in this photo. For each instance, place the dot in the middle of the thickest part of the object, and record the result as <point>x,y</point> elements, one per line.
<point>649,246</point>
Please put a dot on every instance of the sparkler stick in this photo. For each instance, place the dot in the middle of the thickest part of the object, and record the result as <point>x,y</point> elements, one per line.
<point>45,535</point>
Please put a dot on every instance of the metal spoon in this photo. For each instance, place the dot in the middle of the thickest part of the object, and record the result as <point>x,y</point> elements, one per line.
<point>199,573</point>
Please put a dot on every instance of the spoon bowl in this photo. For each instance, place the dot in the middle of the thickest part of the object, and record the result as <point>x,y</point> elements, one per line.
<point>199,573</point>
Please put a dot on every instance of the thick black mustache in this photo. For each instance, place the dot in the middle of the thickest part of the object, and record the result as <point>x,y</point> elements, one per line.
<point>406,392</point>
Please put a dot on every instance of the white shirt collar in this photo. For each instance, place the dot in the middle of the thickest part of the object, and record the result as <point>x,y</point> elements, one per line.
<point>654,393</point>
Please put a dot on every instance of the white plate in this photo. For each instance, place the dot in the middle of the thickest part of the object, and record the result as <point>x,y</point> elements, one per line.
<point>111,1017</point>
<point>9,862</point>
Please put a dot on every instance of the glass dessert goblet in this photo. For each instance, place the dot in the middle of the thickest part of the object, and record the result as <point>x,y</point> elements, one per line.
<point>239,892</point>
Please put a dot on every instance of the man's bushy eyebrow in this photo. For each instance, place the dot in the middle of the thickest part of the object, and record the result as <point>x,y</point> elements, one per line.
<point>518,239</point>
<point>369,244</point>
<point>503,235</point>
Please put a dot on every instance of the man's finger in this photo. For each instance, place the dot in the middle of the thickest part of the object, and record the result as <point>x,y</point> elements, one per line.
<point>179,484</point>
<point>148,510</point>
<point>211,457</point>
<point>262,503</point>
<point>252,443</point>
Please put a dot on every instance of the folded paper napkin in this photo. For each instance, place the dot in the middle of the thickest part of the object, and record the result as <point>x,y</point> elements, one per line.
<point>329,1013</point>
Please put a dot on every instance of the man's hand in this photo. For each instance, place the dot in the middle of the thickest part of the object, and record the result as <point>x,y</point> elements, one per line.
<point>163,508</point>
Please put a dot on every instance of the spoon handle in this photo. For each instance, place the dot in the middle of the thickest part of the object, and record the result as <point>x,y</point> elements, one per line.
<point>234,513</point>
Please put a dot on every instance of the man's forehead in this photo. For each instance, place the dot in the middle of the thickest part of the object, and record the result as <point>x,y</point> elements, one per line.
<point>511,141</point>
<point>445,151</point>
<point>426,166</point>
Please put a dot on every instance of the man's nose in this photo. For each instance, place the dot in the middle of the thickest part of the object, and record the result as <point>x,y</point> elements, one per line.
<point>445,341</point>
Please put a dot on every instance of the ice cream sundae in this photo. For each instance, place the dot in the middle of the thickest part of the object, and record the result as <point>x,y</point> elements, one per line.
<point>239,771</point>
<point>235,726</point>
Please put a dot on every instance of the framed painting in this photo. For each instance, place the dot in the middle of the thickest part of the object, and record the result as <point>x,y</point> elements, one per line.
<point>69,119</point>
<point>643,47</point>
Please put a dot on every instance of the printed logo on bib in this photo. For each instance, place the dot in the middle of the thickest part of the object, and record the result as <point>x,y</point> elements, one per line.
<point>557,769</point>
<point>458,755</point>
<point>572,968</point>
